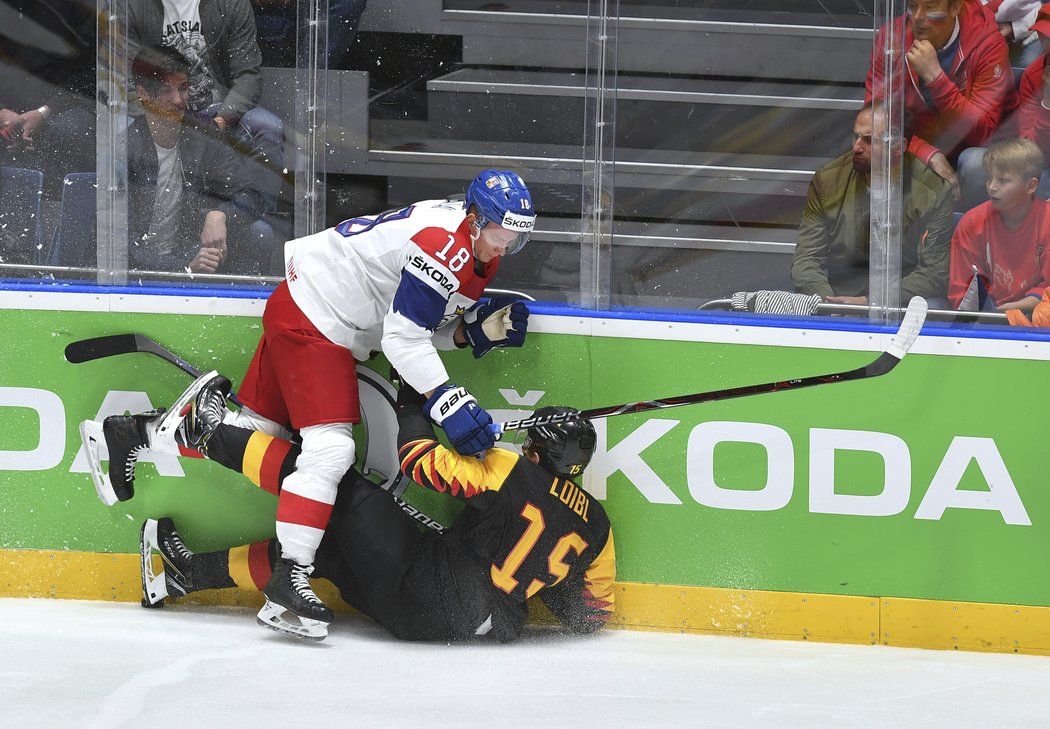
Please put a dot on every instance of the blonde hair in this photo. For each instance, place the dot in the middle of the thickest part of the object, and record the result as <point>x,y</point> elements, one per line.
<point>1018,156</point>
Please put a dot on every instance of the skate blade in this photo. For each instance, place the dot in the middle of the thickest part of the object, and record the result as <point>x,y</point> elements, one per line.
<point>272,616</point>
<point>154,587</point>
<point>94,441</point>
<point>163,438</point>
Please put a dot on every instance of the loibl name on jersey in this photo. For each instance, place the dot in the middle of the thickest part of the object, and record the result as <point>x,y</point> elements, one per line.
<point>432,272</point>
<point>572,496</point>
<point>513,221</point>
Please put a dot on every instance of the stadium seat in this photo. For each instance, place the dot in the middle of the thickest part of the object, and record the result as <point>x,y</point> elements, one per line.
<point>21,232</point>
<point>74,240</point>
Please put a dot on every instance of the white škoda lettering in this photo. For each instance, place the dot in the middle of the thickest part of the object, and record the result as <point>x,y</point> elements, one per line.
<point>513,221</point>
<point>722,488</point>
<point>432,272</point>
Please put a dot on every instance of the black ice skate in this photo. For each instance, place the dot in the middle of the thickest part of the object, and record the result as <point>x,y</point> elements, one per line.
<point>189,422</point>
<point>204,414</point>
<point>176,576</point>
<point>125,438</point>
<point>289,591</point>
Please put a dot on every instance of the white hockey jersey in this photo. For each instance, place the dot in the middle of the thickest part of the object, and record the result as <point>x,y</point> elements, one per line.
<point>398,281</point>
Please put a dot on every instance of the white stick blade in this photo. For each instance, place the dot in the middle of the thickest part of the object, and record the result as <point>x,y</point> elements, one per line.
<point>914,318</point>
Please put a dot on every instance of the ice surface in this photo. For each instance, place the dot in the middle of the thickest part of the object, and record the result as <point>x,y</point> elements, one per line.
<point>89,665</point>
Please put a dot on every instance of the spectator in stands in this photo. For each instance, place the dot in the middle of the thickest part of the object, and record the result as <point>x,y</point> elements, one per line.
<point>1040,315</point>
<point>1015,18</point>
<point>1035,97</point>
<point>831,257</point>
<point>187,209</point>
<point>277,29</point>
<point>1004,240</point>
<point>47,87</point>
<point>957,84</point>
<point>218,38</point>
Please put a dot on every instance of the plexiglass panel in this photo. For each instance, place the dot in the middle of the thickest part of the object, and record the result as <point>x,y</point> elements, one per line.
<point>725,111</point>
<point>679,151</point>
<point>47,134</point>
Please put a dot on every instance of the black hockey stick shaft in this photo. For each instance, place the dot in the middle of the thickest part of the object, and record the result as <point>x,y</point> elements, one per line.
<point>899,346</point>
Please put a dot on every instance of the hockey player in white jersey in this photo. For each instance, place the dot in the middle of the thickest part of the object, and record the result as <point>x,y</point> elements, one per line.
<point>407,282</point>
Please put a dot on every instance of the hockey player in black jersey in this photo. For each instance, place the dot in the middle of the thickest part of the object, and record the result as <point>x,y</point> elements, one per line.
<point>527,529</point>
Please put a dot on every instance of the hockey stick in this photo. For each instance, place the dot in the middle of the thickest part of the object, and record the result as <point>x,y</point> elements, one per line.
<point>87,350</point>
<point>902,341</point>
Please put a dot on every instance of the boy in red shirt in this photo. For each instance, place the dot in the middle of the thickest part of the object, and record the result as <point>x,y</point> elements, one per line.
<point>1005,237</point>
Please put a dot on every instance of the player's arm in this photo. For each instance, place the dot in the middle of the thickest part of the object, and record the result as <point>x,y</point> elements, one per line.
<point>429,278</point>
<point>418,306</point>
<point>499,322</point>
<point>430,464</point>
<point>584,603</point>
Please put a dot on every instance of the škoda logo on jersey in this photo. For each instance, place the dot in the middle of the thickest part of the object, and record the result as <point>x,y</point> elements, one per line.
<point>432,272</point>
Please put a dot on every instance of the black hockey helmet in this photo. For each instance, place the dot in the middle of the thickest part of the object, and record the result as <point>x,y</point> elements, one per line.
<point>565,448</point>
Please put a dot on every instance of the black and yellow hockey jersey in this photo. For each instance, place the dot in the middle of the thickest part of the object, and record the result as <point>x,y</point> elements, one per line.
<point>536,533</point>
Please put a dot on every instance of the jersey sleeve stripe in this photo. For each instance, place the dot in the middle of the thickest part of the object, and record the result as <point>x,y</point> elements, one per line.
<point>421,304</point>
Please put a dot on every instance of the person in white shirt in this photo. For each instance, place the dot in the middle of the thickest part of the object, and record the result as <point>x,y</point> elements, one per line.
<point>407,282</point>
<point>1015,19</point>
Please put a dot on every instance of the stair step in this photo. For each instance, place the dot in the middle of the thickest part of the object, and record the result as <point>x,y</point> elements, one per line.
<point>832,11</point>
<point>650,184</point>
<point>655,264</point>
<point>651,113</point>
<point>746,43</point>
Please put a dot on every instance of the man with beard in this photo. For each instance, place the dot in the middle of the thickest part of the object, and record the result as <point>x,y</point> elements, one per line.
<point>831,257</point>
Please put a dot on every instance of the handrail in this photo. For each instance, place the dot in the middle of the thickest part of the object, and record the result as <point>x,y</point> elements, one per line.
<point>986,317</point>
<point>508,292</point>
<point>161,275</point>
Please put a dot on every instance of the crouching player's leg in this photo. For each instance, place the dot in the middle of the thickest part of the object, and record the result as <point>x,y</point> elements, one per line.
<point>283,469</point>
<point>366,553</point>
<point>183,429</point>
<point>266,461</point>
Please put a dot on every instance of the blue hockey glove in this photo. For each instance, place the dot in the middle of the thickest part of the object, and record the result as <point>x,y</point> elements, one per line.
<point>500,322</point>
<point>466,423</point>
